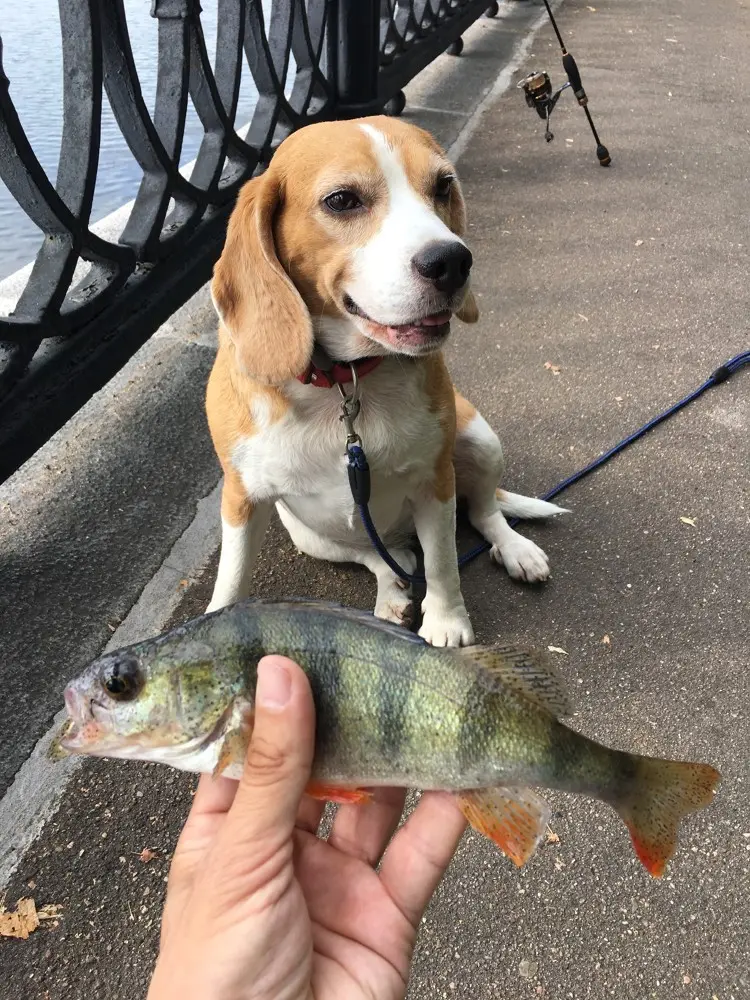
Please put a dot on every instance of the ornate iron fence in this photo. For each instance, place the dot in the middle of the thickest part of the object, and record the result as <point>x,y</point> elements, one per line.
<point>90,302</point>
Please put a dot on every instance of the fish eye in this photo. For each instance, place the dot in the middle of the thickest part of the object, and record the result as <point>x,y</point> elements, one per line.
<point>122,678</point>
<point>343,201</point>
<point>443,187</point>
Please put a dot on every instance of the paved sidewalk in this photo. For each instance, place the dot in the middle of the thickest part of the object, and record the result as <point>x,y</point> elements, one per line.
<point>633,281</point>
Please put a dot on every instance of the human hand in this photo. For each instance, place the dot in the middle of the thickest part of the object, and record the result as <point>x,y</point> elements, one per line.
<point>259,908</point>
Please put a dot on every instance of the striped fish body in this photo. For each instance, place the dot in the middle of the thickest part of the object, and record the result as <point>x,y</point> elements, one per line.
<point>390,710</point>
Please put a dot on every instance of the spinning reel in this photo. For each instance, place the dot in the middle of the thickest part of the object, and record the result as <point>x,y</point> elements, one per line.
<point>537,88</point>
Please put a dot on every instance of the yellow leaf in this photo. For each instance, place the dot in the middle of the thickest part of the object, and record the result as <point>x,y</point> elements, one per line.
<point>688,520</point>
<point>557,649</point>
<point>22,922</point>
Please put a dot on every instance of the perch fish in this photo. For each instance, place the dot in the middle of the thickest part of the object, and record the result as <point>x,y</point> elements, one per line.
<point>391,710</point>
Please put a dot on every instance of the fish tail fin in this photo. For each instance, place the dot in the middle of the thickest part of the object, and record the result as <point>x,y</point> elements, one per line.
<point>529,508</point>
<point>660,794</point>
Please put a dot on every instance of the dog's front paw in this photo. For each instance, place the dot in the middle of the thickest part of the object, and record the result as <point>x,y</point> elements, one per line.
<point>393,603</point>
<point>522,558</point>
<point>396,608</point>
<point>446,627</point>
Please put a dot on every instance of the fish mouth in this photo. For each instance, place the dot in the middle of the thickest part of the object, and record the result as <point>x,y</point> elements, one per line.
<point>420,335</point>
<point>76,706</point>
<point>86,725</point>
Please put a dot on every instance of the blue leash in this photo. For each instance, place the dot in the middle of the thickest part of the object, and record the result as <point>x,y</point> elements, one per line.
<point>359,470</point>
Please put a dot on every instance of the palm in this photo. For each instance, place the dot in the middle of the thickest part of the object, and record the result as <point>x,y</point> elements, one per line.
<point>362,942</point>
<point>337,922</point>
<point>364,922</point>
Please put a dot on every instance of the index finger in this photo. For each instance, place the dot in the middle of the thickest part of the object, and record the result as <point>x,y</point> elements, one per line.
<point>211,803</point>
<point>420,853</point>
<point>215,794</point>
<point>364,830</point>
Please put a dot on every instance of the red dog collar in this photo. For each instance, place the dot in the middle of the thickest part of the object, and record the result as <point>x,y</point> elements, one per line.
<point>339,373</point>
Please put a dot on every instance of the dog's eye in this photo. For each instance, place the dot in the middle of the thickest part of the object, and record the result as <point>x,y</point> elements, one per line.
<point>343,201</point>
<point>443,187</point>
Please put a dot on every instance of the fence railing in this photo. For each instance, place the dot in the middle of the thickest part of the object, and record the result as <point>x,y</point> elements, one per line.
<point>90,302</point>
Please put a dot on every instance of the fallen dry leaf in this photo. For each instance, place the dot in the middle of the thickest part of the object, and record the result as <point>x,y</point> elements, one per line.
<point>51,911</point>
<point>552,837</point>
<point>555,369</point>
<point>606,641</point>
<point>184,583</point>
<point>146,855</point>
<point>557,649</point>
<point>20,923</point>
<point>688,520</point>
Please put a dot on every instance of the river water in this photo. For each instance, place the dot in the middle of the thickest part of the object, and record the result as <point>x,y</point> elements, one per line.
<point>32,59</point>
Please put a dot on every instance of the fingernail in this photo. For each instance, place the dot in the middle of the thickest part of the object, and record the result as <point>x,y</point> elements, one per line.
<point>274,686</point>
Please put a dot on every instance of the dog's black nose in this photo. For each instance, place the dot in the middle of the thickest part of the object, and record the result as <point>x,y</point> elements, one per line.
<point>445,263</point>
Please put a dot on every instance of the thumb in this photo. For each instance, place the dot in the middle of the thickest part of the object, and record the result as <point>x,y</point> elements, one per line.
<point>279,758</point>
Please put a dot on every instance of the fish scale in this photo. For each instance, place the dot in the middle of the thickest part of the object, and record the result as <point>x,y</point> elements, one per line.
<point>483,724</point>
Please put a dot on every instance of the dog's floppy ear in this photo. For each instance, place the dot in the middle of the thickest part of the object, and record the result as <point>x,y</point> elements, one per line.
<point>256,300</point>
<point>468,312</point>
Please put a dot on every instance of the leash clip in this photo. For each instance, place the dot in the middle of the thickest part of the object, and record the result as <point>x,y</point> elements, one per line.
<point>350,407</point>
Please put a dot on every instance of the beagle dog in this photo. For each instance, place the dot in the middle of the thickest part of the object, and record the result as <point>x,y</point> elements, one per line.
<point>350,248</point>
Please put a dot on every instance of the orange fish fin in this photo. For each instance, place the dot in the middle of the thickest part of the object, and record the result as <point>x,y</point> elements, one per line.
<point>661,793</point>
<point>236,739</point>
<point>514,818</point>
<point>335,793</point>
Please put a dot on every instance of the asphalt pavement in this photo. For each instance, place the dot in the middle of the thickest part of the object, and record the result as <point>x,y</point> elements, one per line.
<point>606,295</point>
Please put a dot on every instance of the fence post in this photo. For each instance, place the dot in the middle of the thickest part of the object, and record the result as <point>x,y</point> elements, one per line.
<point>358,58</point>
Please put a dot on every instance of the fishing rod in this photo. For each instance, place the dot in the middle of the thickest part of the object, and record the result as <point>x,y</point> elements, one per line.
<point>537,88</point>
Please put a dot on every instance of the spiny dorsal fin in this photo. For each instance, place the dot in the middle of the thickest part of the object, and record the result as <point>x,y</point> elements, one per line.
<point>526,671</point>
